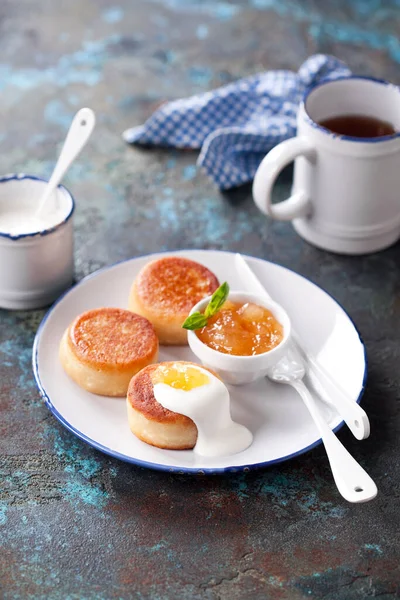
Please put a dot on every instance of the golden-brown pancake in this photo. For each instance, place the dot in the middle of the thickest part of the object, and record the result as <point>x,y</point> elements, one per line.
<point>150,421</point>
<point>166,290</point>
<point>103,348</point>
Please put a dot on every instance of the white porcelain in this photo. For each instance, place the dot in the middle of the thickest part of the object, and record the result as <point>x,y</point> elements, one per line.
<point>78,134</point>
<point>238,370</point>
<point>353,415</point>
<point>35,268</point>
<point>280,423</point>
<point>352,481</point>
<point>345,194</point>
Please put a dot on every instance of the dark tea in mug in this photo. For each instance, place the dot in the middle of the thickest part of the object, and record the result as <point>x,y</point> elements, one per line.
<point>359,126</point>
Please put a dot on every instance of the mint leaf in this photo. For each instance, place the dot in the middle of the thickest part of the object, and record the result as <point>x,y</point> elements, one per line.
<point>195,321</point>
<point>217,300</point>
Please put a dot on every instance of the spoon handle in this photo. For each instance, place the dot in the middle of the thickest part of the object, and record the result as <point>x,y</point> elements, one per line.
<point>351,412</point>
<point>352,481</point>
<point>78,134</point>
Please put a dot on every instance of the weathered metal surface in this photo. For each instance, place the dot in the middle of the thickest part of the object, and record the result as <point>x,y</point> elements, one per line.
<point>77,524</point>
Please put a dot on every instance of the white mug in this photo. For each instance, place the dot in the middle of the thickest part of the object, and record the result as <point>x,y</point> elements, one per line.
<point>346,190</point>
<point>35,268</point>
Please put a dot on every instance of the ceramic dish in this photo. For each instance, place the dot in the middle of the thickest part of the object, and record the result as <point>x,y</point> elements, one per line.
<point>279,421</point>
<point>240,370</point>
<point>35,267</point>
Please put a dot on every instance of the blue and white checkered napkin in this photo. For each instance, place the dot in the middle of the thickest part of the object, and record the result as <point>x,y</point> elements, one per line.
<point>236,125</point>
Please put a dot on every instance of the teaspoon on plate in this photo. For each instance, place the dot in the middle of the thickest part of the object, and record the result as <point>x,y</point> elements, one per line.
<point>351,412</point>
<point>352,481</point>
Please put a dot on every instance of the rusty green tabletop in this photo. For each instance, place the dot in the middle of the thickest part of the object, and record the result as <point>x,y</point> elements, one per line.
<point>77,524</point>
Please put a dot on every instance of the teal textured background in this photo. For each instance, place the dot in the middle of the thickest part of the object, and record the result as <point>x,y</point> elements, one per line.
<point>75,524</point>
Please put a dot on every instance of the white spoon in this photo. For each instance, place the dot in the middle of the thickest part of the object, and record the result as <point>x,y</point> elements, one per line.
<point>351,480</point>
<point>351,412</point>
<point>78,134</point>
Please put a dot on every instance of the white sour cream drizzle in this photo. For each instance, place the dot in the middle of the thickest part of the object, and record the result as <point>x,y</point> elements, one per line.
<point>209,407</point>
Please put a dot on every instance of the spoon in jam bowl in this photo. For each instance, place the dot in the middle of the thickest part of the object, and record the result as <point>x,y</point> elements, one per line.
<point>352,481</point>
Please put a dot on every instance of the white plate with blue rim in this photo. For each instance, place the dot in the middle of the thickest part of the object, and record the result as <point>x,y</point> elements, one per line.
<point>280,423</point>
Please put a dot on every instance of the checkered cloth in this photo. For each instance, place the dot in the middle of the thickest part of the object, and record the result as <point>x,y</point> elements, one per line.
<point>236,125</point>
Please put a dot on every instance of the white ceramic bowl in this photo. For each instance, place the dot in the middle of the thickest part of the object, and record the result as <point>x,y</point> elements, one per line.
<point>238,370</point>
<point>35,268</point>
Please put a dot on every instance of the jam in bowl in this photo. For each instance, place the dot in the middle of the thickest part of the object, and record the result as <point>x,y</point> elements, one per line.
<point>244,339</point>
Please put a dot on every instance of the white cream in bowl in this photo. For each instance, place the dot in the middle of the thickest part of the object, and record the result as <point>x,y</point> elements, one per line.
<point>36,252</point>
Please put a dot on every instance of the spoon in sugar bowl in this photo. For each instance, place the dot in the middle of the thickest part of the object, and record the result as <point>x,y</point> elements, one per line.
<point>78,134</point>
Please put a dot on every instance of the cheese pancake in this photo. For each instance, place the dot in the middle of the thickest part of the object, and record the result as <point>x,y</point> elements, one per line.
<point>166,290</point>
<point>149,420</point>
<point>103,348</point>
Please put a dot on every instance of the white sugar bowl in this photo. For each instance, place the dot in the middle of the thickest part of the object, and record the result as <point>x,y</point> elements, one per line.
<point>36,252</point>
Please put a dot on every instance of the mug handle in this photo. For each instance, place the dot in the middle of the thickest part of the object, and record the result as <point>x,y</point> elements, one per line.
<point>297,205</point>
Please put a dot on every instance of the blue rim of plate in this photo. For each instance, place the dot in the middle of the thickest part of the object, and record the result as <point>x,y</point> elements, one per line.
<point>157,466</point>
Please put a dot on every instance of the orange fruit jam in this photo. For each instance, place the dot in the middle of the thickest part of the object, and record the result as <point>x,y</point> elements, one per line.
<point>242,330</point>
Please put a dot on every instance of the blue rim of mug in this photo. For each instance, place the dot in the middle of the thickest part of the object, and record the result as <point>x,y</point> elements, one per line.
<point>338,136</point>
<point>47,230</point>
